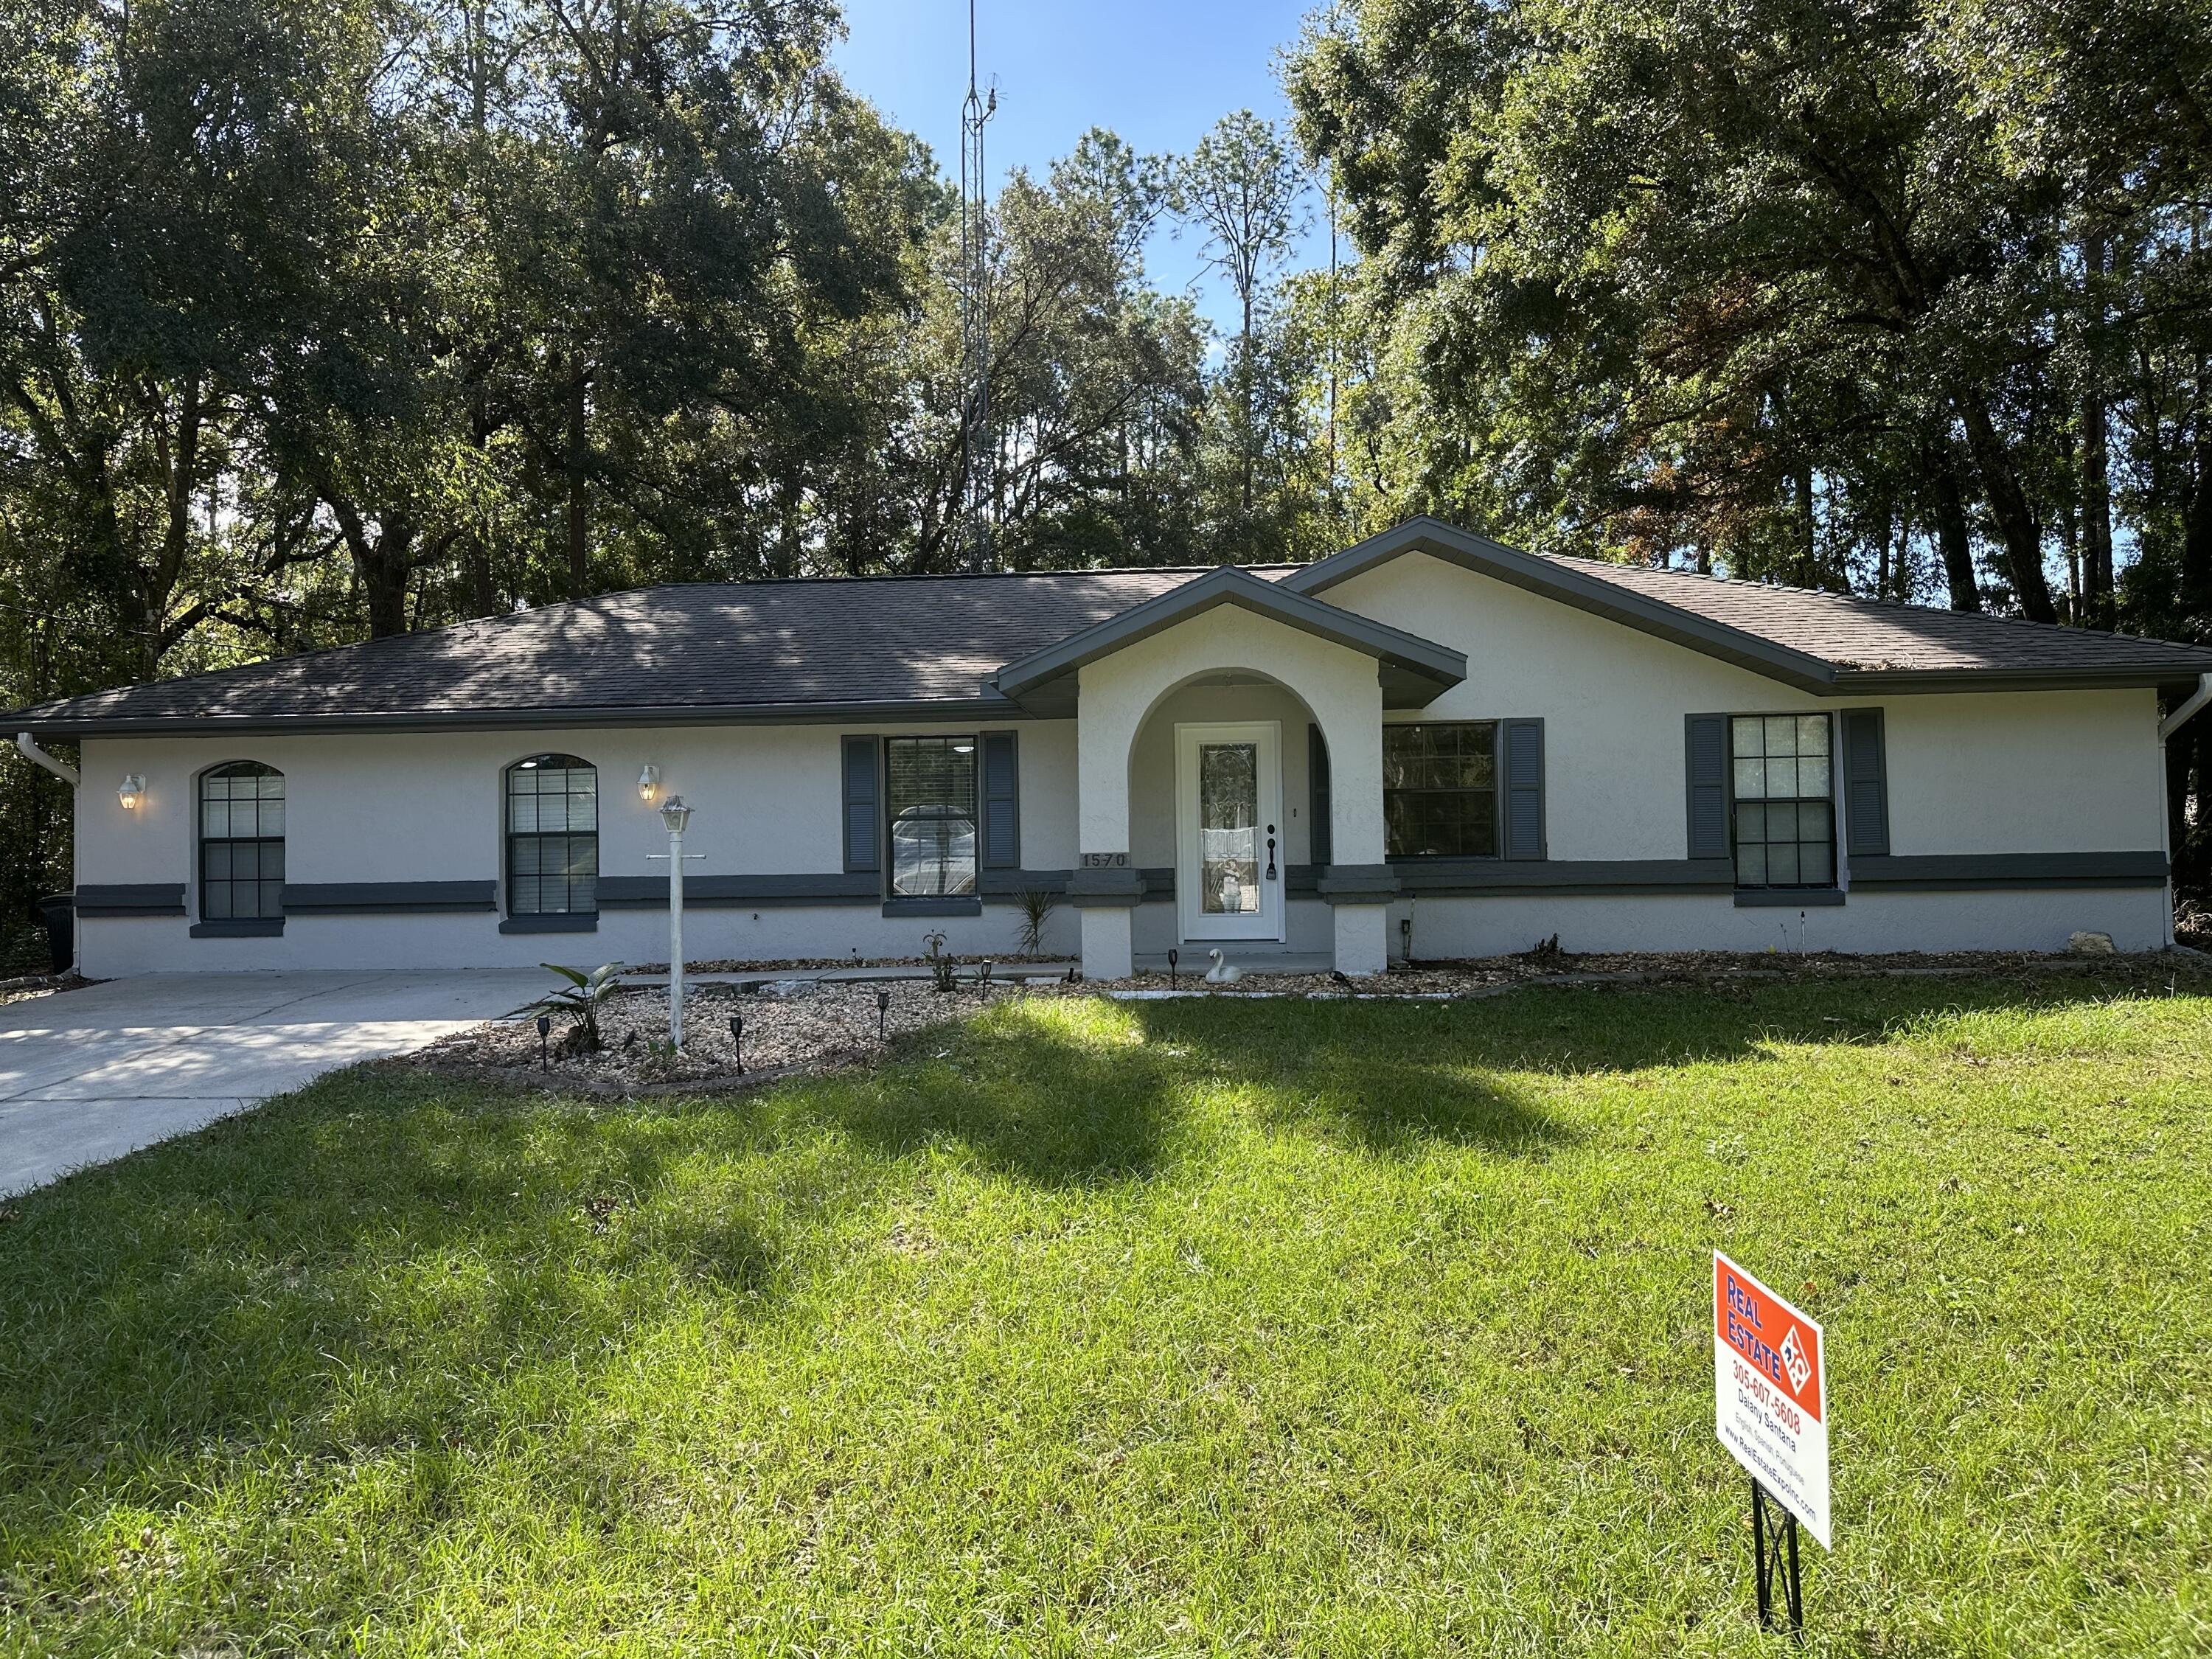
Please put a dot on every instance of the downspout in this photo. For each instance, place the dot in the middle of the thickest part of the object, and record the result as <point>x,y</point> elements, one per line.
<point>2166,727</point>
<point>70,775</point>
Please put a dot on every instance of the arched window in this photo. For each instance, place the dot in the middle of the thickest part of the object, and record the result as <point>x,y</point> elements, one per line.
<point>241,842</point>
<point>552,837</point>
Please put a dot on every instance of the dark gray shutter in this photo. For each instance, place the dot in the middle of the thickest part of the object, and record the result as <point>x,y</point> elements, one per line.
<point>1708,773</point>
<point>1320,832</point>
<point>1002,817</point>
<point>861,805</point>
<point>1524,789</point>
<point>1866,784</point>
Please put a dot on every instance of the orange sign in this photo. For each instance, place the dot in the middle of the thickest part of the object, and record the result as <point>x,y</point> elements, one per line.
<point>1780,1343</point>
<point>1770,1393</point>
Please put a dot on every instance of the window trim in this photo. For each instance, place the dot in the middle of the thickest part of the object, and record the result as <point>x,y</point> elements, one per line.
<point>1497,794</point>
<point>1751,897</point>
<point>227,926</point>
<point>508,834</point>
<point>898,904</point>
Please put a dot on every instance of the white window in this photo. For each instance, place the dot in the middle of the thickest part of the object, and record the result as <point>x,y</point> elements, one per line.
<point>1782,781</point>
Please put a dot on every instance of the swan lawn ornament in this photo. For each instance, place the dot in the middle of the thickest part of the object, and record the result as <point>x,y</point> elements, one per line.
<point>1222,973</point>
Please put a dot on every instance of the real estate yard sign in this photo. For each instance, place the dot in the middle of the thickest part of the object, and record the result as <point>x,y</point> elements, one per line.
<point>1770,1390</point>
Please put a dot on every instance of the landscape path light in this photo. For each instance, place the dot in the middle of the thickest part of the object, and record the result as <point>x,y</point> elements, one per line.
<point>676,815</point>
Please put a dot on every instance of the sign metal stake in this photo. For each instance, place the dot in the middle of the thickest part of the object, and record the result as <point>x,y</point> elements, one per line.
<point>1774,1553</point>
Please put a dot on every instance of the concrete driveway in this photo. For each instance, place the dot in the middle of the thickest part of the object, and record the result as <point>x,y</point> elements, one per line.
<point>90,1074</point>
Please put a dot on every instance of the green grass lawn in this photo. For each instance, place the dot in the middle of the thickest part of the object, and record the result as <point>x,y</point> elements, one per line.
<point>1168,1327</point>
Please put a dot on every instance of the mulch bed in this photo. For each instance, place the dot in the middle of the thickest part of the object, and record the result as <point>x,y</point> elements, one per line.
<point>797,1026</point>
<point>789,1026</point>
<point>41,985</point>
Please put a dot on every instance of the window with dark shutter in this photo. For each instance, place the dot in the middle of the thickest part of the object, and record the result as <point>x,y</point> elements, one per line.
<point>1320,831</point>
<point>1002,817</point>
<point>860,804</point>
<point>1524,789</point>
<point>1707,770</point>
<point>1866,784</point>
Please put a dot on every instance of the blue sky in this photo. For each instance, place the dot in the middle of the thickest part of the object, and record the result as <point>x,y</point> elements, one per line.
<point>1157,73</point>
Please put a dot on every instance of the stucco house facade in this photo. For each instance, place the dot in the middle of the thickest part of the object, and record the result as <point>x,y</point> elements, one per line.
<point>1429,743</point>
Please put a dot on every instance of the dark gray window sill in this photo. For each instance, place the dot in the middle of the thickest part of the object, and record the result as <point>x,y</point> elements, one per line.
<point>956,905</point>
<point>1788,898</point>
<point>573,922</point>
<point>240,927</point>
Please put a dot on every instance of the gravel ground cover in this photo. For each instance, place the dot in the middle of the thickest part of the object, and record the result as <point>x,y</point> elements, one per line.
<point>795,1025</point>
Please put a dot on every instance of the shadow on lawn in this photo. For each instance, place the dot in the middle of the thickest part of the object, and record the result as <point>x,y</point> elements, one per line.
<point>1029,1095</point>
<point>348,1282</point>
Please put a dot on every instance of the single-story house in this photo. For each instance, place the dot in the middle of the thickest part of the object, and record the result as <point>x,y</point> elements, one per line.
<point>1429,743</point>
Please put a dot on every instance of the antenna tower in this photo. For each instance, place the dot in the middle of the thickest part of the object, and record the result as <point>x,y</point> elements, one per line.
<point>981,501</point>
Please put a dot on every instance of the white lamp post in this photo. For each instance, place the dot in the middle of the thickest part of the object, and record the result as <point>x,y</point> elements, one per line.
<point>676,815</point>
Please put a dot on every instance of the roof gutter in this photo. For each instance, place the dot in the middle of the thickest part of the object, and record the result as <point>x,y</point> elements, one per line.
<point>69,774</point>
<point>2180,718</point>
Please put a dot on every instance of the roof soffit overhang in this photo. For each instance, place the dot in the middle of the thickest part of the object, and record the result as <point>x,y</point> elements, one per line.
<point>1414,672</point>
<point>1587,593</point>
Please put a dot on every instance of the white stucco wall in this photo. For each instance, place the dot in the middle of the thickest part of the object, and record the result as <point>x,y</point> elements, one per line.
<point>1986,772</point>
<point>767,800</point>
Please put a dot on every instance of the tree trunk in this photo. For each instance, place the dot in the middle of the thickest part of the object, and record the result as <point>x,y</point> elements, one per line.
<point>1952,540</point>
<point>2097,606</point>
<point>1808,538</point>
<point>2009,504</point>
<point>579,505</point>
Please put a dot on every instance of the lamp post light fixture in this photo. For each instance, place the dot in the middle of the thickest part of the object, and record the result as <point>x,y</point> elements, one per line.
<point>133,789</point>
<point>676,815</point>
<point>649,784</point>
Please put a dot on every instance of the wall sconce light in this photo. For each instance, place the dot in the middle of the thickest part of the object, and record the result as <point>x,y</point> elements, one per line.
<point>134,786</point>
<point>649,784</point>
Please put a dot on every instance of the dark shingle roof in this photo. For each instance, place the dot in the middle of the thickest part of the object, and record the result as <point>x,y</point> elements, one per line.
<point>691,649</point>
<point>1867,636</point>
<point>831,648</point>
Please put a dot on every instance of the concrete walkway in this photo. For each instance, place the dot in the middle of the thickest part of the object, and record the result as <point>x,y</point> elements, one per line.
<point>90,1074</point>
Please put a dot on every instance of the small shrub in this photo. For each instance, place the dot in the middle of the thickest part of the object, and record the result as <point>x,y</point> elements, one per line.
<point>579,999</point>
<point>1038,905</point>
<point>943,973</point>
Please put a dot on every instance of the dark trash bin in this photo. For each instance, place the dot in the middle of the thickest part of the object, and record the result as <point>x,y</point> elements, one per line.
<point>58,912</point>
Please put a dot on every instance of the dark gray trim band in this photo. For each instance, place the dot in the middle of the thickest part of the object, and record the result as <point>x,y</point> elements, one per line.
<point>1498,878</point>
<point>1012,884</point>
<point>240,927</point>
<point>988,705</point>
<point>1787,898</point>
<point>1414,671</point>
<point>575,922</point>
<point>950,905</point>
<point>390,898</point>
<point>135,898</point>
<point>1113,887</point>
<point>1981,871</point>
<point>741,892</point>
<point>1357,884</point>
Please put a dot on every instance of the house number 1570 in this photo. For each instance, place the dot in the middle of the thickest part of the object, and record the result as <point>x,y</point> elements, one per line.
<point>1105,860</point>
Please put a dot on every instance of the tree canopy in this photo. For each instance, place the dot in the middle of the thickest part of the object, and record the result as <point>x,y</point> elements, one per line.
<point>318,323</point>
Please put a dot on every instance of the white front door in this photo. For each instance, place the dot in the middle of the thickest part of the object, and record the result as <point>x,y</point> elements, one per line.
<point>1229,843</point>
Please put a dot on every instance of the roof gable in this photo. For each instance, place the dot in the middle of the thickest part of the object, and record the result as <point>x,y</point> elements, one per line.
<point>1414,670</point>
<point>1830,644</point>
